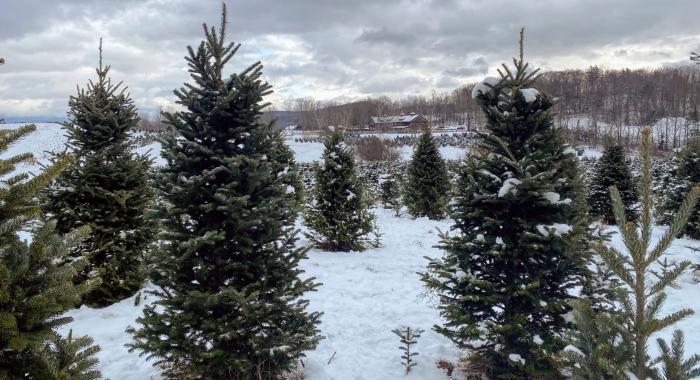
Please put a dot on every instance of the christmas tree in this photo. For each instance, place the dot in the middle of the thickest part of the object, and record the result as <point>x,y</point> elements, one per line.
<point>522,229</point>
<point>35,289</point>
<point>644,298</point>
<point>601,342</point>
<point>107,189</point>
<point>428,184</point>
<point>284,154</point>
<point>338,216</point>
<point>227,275</point>
<point>675,365</point>
<point>390,186</point>
<point>71,358</point>
<point>686,173</point>
<point>612,170</point>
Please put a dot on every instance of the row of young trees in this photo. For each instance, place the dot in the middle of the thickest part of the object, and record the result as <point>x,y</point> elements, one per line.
<point>229,292</point>
<point>338,215</point>
<point>507,285</point>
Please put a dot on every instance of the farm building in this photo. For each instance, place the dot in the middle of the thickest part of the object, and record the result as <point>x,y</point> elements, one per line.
<point>412,121</point>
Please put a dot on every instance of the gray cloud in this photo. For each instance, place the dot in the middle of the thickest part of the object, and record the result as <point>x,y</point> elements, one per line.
<point>383,35</point>
<point>478,66</point>
<point>330,49</point>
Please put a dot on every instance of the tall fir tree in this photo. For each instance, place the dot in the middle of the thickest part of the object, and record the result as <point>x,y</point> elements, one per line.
<point>644,297</point>
<point>338,216</point>
<point>686,174</point>
<point>35,289</point>
<point>507,276</point>
<point>107,188</point>
<point>612,170</point>
<point>227,276</point>
<point>427,189</point>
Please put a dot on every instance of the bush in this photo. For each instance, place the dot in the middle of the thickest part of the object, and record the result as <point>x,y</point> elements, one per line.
<point>374,148</point>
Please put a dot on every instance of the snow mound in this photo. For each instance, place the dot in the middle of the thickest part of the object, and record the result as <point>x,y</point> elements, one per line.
<point>554,198</point>
<point>509,187</point>
<point>558,228</point>
<point>482,87</point>
<point>530,94</point>
<point>516,358</point>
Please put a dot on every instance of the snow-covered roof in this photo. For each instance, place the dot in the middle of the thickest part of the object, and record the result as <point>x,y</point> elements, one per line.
<point>395,119</point>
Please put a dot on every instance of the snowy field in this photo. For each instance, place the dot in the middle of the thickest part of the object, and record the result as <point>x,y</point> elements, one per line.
<point>363,297</point>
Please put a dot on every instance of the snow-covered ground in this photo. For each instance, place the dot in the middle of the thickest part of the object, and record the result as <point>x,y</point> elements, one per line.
<point>363,297</point>
<point>50,137</point>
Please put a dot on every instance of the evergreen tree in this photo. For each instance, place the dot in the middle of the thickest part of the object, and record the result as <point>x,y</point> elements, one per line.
<point>600,339</point>
<point>409,338</point>
<point>107,189</point>
<point>338,217</point>
<point>686,174</point>
<point>428,184</point>
<point>35,290</point>
<point>71,358</point>
<point>282,153</point>
<point>643,297</point>
<point>520,212</point>
<point>612,170</point>
<point>675,366</point>
<point>390,187</point>
<point>227,276</point>
<point>601,342</point>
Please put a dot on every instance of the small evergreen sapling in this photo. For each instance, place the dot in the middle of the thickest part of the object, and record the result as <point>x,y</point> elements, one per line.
<point>601,344</point>
<point>644,298</point>
<point>409,337</point>
<point>600,341</point>
<point>674,364</point>
<point>35,288</point>
<point>612,170</point>
<point>338,217</point>
<point>71,358</point>
<point>391,191</point>
<point>427,189</point>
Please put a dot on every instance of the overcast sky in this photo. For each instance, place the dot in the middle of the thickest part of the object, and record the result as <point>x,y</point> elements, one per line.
<point>328,49</point>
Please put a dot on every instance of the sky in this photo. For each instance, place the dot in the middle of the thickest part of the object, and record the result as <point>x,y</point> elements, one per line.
<point>326,49</point>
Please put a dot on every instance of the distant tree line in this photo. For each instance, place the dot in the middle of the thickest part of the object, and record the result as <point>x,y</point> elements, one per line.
<point>591,103</point>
